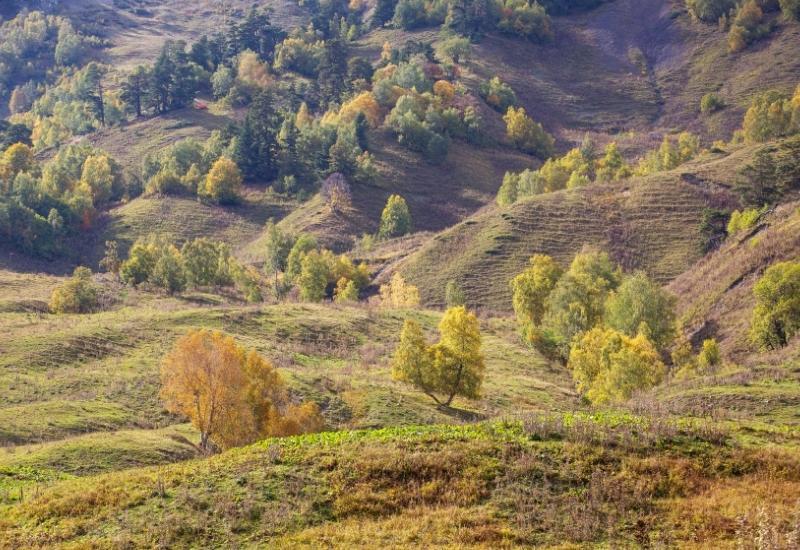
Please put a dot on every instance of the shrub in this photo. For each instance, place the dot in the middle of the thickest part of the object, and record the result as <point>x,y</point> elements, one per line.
<point>776,317</point>
<point>77,295</point>
<point>530,291</point>
<point>741,221</point>
<point>206,262</point>
<point>498,95</point>
<point>454,295</point>
<point>346,291</point>
<point>709,356</point>
<point>577,301</point>
<point>313,279</point>
<point>709,10</point>
<point>711,103</point>
<point>748,26</point>
<point>609,366</point>
<point>790,9</point>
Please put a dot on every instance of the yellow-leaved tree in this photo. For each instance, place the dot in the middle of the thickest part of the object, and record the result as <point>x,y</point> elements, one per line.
<point>232,396</point>
<point>399,294</point>
<point>453,366</point>
<point>223,182</point>
<point>609,366</point>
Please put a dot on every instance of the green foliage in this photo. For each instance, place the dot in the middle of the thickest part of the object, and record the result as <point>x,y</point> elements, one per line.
<point>776,317</point>
<point>612,166</point>
<point>169,271</point>
<point>278,247</point>
<point>395,218</point>
<point>526,19</point>
<point>531,289</point>
<point>710,11</point>
<point>748,26</point>
<point>669,155</point>
<point>710,356</point>
<point>299,55</point>
<point>454,295</point>
<point>576,303</point>
<point>609,366</point>
<point>453,366</point>
<point>77,295</point>
<point>790,9</point>
<point>207,263</point>
<point>498,94</point>
<point>346,291</point>
<point>774,172</point>
<point>452,49</point>
<point>33,44</point>
<point>526,135</point>
<point>772,115</point>
<point>711,103</point>
<point>313,279</point>
<point>640,305</point>
<point>741,221</point>
<point>304,244</point>
<point>756,183</point>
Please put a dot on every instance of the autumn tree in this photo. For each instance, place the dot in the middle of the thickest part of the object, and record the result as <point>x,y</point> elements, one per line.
<point>313,279</point>
<point>336,192</point>
<point>223,182</point>
<point>398,293</point>
<point>346,291</point>
<point>453,366</point>
<point>304,244</point>
<point>232,396</point>
<point>111,261</point>
<point>76,295</point>
<point>206,262</point>
<point>526,134</point>
<point>609,366</point>
<point>395,218</point>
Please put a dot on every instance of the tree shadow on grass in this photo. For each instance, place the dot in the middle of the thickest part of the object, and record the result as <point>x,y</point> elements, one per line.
<point>462,415</point>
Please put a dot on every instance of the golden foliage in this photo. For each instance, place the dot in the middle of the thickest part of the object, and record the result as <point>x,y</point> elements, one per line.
<point>233,397</point>
<point>363,103</point>
<point>399,294</point>
<point>252,70</point>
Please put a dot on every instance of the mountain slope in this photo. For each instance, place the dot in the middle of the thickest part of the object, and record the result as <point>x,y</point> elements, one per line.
<point>716,295</point>
<point>652,223</point>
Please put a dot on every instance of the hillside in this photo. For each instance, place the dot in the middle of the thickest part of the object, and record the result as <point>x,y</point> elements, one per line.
<point>628,480</point>
<point>652,223</point>
<point>232,382</point>
<point>716,294</point>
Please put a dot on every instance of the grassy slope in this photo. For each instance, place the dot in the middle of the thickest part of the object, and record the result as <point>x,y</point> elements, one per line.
<point>716,295</point>
<point>650,223</point>
<point>581,481</point>
<point>65,376</point>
